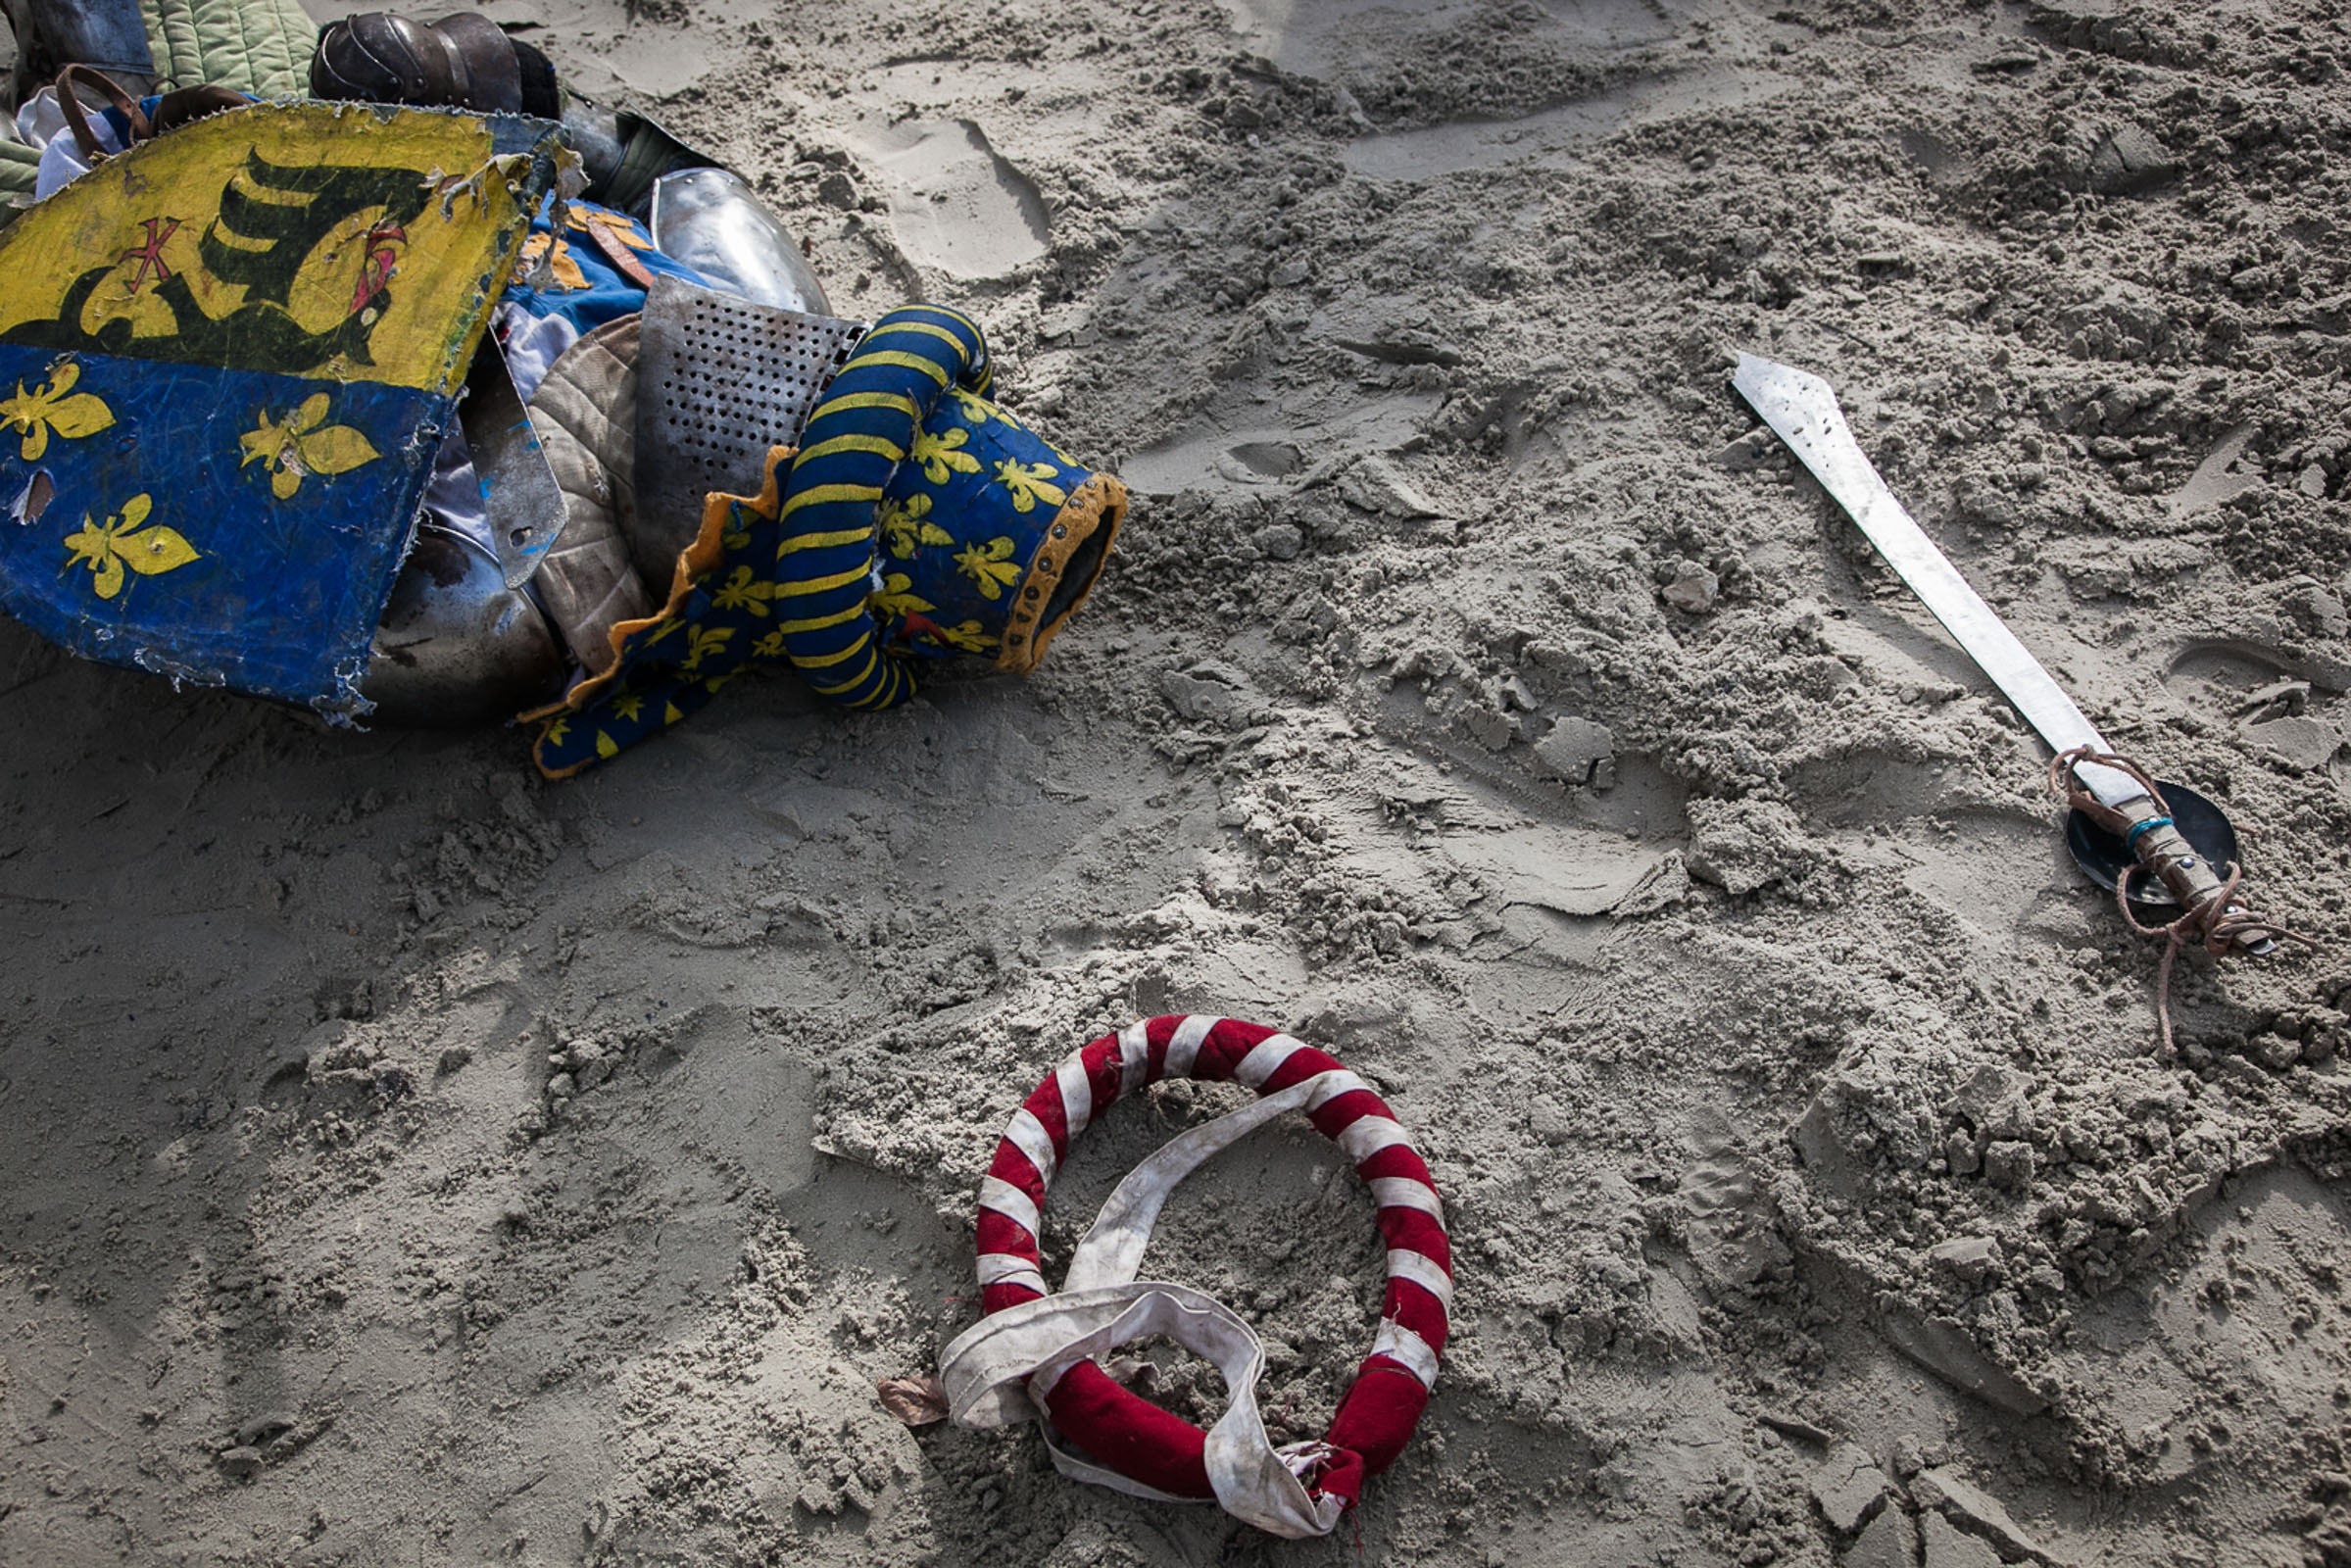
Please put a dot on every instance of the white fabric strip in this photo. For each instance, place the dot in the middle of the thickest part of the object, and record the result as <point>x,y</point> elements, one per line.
<point>1134,1057</point>
<point>1077,1095</point>
<point>1403,1191</point>
<point>1009,1269</point>
<point>1397,1341</point>
<point>1009,1202</point>
<point>1422,1271</point>
<point>1112,1252</point>
<point>983,1370</point>
<point>1183,1047</point>
<point>1334,1084</point>
<point>1028,1135</point>
<point>1265,1059</point>
<point>1366,1135</point>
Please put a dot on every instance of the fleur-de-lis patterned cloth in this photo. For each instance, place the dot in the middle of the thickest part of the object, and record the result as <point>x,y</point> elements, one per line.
<point>916,520</point>
<point>225,357</point>
<point>718,617</point>
<point>580,279</point>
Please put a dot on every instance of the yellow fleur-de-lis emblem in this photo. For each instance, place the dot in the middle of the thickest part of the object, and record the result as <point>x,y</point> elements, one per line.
<point>303,444</point>
<point>909,524</point>
<point>969,637</point>
<point>991,566</point>
<point>118,545</point>
<point>55,410</point>
<point>979,410</point>
<point>623,229</point>
<point>740,592</point>
<point>897,598</point>
<point>941,454</point>
<point>704,641</point>
<point>547,262</point>
<point>770,645</point>
<point>1030,483</point>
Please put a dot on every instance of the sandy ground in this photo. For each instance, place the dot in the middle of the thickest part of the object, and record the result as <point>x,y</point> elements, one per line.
<point>1475,693</point>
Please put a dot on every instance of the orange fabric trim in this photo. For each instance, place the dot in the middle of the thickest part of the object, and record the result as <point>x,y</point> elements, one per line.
<point>693,563</point>
<point>1099,504</point>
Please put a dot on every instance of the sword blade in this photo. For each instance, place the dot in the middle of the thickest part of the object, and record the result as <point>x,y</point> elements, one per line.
<point>1802,411</point>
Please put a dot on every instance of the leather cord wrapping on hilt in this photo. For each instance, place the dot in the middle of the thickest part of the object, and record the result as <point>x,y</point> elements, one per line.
<point>2215,922</point>
<point>2067,785</point>
<point>851,444</point>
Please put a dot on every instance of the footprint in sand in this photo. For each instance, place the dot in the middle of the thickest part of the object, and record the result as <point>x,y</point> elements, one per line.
<point>2278,700</point>
<point>955,205</point>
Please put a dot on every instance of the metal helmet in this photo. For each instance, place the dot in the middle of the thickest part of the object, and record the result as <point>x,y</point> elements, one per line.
<point>464,61</point>
<point>711,220</point>
<point>456,647</point>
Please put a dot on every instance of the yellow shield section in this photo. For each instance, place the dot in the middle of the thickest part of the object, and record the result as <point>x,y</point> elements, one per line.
<point>340,242</point>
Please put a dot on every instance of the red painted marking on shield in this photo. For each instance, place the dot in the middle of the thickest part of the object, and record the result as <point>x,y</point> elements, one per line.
<point>376,271</point>
<point>150,256</point>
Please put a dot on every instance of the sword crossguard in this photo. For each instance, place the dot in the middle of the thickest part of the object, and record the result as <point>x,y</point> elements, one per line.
<point>2209,914</point>
<point>2210,917</point>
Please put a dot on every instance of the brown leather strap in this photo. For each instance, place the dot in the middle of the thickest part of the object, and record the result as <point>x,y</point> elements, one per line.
<point>176,109</point>
<point>616,250</point>
<point>77,118</point>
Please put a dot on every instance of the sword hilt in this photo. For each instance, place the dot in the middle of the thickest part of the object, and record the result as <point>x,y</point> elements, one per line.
<point>2160,847</point>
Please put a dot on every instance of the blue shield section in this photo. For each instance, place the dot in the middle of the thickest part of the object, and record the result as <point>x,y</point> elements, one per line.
<point>226,357</point>
<point>227,527</point>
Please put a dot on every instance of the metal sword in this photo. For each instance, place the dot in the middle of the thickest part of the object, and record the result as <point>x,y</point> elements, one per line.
<point>1802,411</point>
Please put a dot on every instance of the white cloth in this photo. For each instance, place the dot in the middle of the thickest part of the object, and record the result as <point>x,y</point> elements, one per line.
<point>452,495</point>
<point>42,123</point>
<point>532,344</point>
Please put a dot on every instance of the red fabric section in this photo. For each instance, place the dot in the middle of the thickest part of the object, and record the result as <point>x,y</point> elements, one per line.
<point>1418,1310</point>
<point>1129,1433</point>
<point>1300,1066</point>
<point>1156,1032</point>
<point>1377,1417</point>
<point>1046,1105</point>
<point>1342,1478</point>
<point>1227,1042</point>
<point>1000,1233</point>
<point>1415,1232</point>
<point>995,1298</point>
<point>1102,1074</point>
<point>1396,1160</point>
<point>1012,1165</point>
<point>1348,1109</point>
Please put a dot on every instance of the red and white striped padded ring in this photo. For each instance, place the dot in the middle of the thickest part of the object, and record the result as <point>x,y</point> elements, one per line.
<point>1129,1433</point>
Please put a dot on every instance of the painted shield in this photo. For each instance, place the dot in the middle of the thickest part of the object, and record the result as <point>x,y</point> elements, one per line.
<point>227,358</point>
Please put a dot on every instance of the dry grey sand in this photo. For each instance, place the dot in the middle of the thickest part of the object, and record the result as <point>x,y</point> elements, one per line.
<point>1475,693</point>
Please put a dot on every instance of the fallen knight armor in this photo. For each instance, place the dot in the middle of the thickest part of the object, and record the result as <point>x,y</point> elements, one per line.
<point>911,519</point>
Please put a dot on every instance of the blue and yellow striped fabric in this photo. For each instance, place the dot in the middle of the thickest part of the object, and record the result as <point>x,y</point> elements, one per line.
<point>855,441</point>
